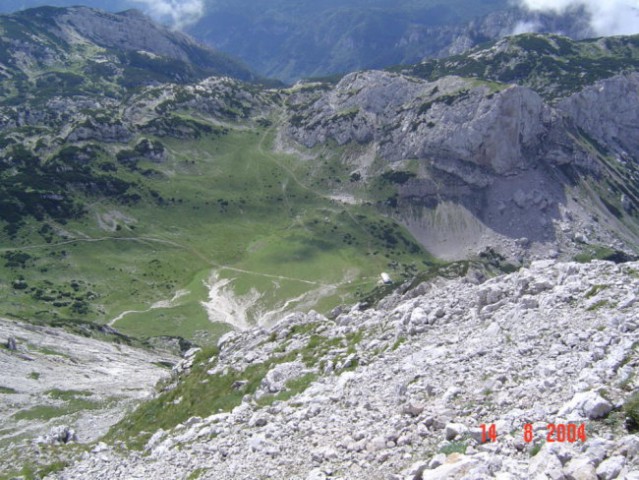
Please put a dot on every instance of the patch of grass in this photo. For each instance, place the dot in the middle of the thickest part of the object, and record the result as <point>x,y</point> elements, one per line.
<point>7,390</point>
<point>318,347</point>
<point>195,474</point>
<point>164,364</point>
<point>631,409</point>
<point>398,343</point>
<point>302,329</point>
<point>594,290</point>
<point>201,394</point>
<point>599,252</point>
<point>535,449</point>
<point>40,412</point>
<point>67,395</point>
<point>597,306</point>
<point>294,387</point>
<point>50,352</point>
<point>198,394</point>
<point>614,420</point>
<point>54,467</point>
<point>35,472</point>
<point>34,375</point>
<point>46,412</point>
<point>459,446</point>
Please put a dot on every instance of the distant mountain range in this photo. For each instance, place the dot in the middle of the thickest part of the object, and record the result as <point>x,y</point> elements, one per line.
<point>8,6</point>
<point>288,39</point>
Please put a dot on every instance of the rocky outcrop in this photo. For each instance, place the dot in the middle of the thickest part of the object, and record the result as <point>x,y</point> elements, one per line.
<point>107,132</point>
<point>58,388</point>
<point>552,344</point>
<point>607,112</point>
<point>126,42</point>
<point>488,162</point>
<point>461,127</point>
<point>130,30</point>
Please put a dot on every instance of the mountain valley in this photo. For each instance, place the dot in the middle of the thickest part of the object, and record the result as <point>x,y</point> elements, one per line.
<point>165,207</point>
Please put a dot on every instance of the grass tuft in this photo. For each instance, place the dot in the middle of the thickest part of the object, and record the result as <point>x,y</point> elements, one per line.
<point>631,409</point>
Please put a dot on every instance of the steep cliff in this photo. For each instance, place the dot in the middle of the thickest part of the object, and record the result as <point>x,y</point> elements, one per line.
<point>526,165</point>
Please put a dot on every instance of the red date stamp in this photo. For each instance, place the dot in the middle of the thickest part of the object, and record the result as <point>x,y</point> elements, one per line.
<point>488,432</point>
<point>565,433</point>
<point>560,433</point>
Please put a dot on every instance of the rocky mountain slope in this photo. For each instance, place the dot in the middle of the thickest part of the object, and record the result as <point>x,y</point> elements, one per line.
<point>292,40</point>
<point>472,162</point>
<point>401,390</point>
<point>10,6</point>
<point>552,65</point>
<point>107,151</point>
<point>449,159</point>
<point>58,387</point>
<point>139,194</point>
<point>79,41</point>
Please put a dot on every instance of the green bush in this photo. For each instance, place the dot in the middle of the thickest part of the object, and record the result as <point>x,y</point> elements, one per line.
<point>631,409</point>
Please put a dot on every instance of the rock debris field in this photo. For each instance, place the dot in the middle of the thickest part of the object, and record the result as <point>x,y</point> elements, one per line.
<point>401,390</point>
<point>57,387</point>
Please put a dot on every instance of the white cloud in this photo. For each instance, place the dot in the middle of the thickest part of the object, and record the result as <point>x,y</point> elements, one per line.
<point>178,12</point>
<point>607,17</point>
<point>525,27</point>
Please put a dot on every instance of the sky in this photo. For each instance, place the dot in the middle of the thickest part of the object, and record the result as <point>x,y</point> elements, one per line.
<point>607,17</point>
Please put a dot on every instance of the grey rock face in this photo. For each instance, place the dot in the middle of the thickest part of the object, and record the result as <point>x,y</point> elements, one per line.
<point>59,435</point>
<point>103,132</point>
<point>608,112</point>
<point>589,405</point>
<point>490,163</point>
<point>451,122</point>
<point>127,32</point>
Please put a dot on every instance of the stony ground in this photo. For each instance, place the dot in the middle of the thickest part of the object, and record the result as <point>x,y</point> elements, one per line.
<point>404,388</point>
<point>54,382</point>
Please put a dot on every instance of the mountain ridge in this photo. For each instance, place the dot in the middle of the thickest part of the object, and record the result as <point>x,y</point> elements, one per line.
<point>469,150</point>
<point>120,35</point>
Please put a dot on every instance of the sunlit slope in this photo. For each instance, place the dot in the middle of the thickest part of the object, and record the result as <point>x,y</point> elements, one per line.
<point>227,217</point>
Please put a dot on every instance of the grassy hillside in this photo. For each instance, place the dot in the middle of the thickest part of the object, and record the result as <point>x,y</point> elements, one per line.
<point>133,198</point>
<point>220,205</point>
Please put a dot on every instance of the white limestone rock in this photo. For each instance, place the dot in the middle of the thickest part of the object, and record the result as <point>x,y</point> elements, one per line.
<point>611,467</point>
<point>589,405</point>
